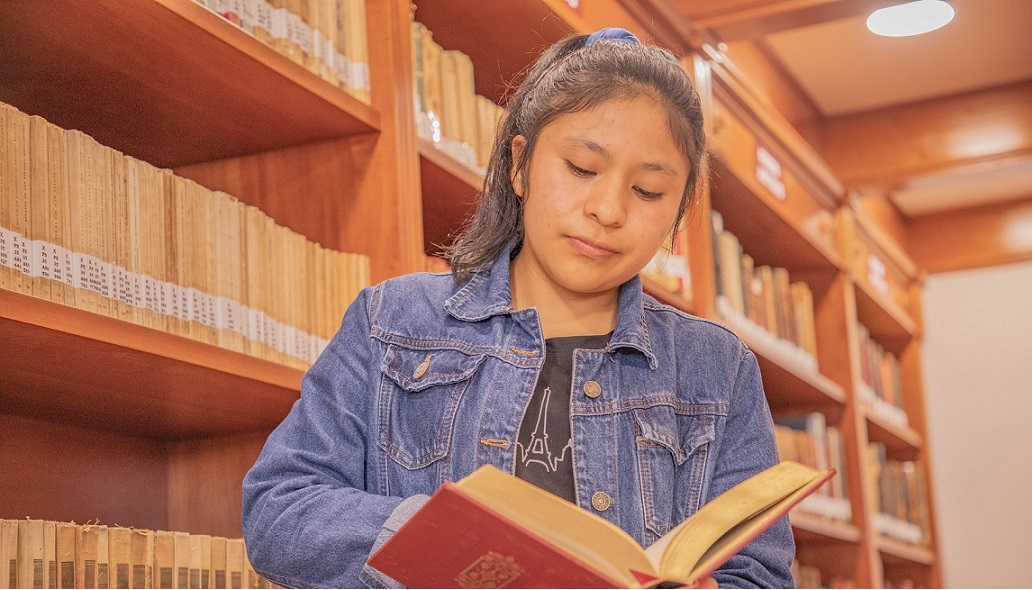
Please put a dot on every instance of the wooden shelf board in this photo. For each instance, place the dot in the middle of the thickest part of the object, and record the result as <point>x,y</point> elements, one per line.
<point>165,81</point>
<point>450,191</point>
<point>888,324</point>
<point>814,529</point>
<point>902,443</point>
<point>898,553</point>
<point>790,387</point>
<point>517,35</point>
<point>69,365</point>
<point>764,234</point>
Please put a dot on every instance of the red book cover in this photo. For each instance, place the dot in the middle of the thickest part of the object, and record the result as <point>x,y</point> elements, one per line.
<point>492,552</point>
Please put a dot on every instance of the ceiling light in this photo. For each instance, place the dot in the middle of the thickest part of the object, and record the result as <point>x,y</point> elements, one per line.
<point>912,18</point>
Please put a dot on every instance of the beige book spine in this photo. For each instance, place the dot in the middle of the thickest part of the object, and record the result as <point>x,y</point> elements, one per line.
<point>164,572</point>
<point>218,562</point>
<point>60,244</point>
<point>362,51</point>
<point>19,184</point>
<point>103,573</point>
<point>352,48</point>
<point>86,556</point>
<point>235,562</point>
<point>75,184</point>
<point>174,221</point>
<point>119,237</point>
<point>6,164</point>
<point>30,554</point>
<point>8,545</point>
<point>119,557</point>
<point>226,247</point>
<point>253,269</point>
<point>313,318</point>
<point>467,96</point>
<point>49,554</point>
<point>246,328</point>
<point>66,550</point>
<point>181,559</point>
<point>309,13</point>
<point>273,298</point>
<point>152,223</point>
<point>133,229</point>
<point>194,561</point>
<point>141,558</point>
<point>432,74</point>
<point>39,236</point>
<point>451,124</point>
<point>207,577</point>
<point>204,264</point>
<point>103,237</point>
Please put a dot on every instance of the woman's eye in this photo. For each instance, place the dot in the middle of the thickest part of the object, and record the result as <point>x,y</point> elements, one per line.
<point>577,170</point>
<point>647,194</point>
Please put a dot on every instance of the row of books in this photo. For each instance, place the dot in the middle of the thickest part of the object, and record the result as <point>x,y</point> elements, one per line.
<point>328,37</point>
<point>86,226</point>
<point>880,384</point>
<point>763,296</point>
<point>449,112</point>
<point>808,439</point>
<point>809,576</point>
<point>902,497</point>
<point>669,267</point>
<point>47,554</point>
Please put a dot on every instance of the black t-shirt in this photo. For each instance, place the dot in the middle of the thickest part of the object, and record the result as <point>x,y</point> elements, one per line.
<point>543,447</point>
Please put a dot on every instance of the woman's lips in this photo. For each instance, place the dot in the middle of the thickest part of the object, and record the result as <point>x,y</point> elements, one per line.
<point>590,249</point>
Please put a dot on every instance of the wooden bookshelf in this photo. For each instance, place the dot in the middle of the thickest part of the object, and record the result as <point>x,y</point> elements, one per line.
<point>166,81</point>
<point>173,84</point>
<point>73,366</point>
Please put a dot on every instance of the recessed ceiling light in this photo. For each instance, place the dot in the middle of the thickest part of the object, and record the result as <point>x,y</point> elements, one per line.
<point>912,18</point>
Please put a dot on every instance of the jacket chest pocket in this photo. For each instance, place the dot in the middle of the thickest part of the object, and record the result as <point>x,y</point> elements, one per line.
<point>671,451</point>
<point>419,394</point>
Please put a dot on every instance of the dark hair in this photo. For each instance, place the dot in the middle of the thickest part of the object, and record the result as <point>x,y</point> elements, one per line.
<point>569,77</point>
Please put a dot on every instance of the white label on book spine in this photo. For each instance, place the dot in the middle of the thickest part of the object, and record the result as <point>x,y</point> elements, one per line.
<point>69,267</point>
<point>768,173</point>
<point>263,16</point>
<point>279,23</point>
<point>20,255</point>
<point>107,279</point>
<point>79,274</point>
<point>41,265</point>
<point>5,247</point>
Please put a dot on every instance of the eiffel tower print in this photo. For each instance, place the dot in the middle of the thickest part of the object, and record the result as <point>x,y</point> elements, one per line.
<point>538,450</point>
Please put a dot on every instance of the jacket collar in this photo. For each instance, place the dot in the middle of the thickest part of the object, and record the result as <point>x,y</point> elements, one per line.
<point>487,294</point>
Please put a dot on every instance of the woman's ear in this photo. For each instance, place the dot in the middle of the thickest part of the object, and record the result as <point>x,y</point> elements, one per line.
<point>519,143</point>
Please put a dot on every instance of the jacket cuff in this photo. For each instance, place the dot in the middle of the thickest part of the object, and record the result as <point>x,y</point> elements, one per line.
<point>372,577</point>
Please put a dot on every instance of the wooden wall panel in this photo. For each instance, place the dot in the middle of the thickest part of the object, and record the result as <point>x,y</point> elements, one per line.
<point>61,472</point>
<point>886,147</point>
<point>972,238</point>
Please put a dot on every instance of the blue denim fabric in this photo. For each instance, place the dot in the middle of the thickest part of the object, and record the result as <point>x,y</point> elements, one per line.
<point>426,381</point>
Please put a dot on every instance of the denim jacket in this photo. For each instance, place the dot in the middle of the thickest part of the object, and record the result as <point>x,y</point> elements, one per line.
<point>425,381</point>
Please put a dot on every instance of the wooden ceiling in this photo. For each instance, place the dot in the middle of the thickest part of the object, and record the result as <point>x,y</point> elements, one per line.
<point>936,128</point>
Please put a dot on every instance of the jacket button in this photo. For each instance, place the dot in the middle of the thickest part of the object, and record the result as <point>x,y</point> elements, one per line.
<point>592,389</point>
<point>601,501</point>
<point>421,370</point>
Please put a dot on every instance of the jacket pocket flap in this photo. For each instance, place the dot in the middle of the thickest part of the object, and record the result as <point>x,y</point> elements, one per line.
<point>416,370</point>
<point>679,434</point>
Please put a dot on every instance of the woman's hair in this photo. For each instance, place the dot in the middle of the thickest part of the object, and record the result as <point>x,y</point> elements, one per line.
<point>567,78</point>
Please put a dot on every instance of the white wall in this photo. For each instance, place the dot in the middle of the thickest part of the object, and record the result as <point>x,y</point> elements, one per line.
<point>978,389</point>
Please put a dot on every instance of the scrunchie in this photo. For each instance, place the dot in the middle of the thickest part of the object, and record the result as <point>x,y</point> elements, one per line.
<point>614,34</point>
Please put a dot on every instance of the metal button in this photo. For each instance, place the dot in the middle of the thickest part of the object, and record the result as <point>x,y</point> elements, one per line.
<point>601,501</point>
<point>423,367</point>
<point>592,389</point>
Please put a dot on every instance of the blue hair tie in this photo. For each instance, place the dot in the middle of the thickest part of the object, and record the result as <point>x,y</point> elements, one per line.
<point>614,34</point>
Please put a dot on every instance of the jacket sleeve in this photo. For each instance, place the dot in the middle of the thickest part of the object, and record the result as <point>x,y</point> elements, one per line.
<point>748,448</point>
<point>307,519</point>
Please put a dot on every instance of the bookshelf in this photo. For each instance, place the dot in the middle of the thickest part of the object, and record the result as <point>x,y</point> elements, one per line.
<point>173,424</point>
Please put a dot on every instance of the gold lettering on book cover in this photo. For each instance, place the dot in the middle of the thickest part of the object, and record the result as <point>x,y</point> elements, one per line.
<point>492,570</point>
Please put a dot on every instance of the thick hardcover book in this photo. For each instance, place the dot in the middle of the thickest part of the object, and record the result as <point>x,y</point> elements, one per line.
<point>492,530</point>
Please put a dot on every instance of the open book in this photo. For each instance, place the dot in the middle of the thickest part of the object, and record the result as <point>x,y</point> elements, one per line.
<point>491,530</point>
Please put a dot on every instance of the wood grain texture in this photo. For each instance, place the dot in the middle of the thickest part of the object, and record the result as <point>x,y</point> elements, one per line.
<point>73,366</point>
<point>972,238</point>
<point>166,81</point>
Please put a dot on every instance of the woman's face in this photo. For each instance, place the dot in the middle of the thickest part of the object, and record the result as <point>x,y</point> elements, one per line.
<point>605,186</point>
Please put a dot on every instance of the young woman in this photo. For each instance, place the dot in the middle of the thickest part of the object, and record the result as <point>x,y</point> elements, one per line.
<point>539,353</point>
